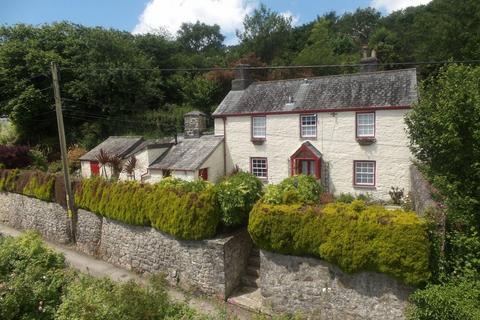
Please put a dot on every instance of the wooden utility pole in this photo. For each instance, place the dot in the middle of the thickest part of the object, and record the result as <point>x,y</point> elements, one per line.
<point>63,149</point>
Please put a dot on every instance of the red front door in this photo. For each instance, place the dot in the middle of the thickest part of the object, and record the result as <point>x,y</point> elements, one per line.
<point>203,174</point>
<point>94,168</point>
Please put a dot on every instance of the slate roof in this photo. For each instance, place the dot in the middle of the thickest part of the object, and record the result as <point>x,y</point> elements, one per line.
<point>360,90</point>
<point>114,145</point>
<point>188,154</point>
<point>151,144</point>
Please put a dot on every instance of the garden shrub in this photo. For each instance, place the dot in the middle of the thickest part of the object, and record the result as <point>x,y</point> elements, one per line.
<point>236,196</point>
<point>34,184</point>
<point>15,156</point>
<point>456,300</point>
<point>354,236</point>
<point>32,278</point>
<point>294,189</point>
<point>185,210</point>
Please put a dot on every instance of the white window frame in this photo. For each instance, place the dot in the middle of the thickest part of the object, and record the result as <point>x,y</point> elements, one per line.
<point>365,124</point>
<point>308,126</point>
<point>259,126</point>
<point>364,173</point>
<point>260,171</point>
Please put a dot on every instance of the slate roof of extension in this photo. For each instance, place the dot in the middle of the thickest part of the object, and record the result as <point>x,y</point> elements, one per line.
<point>188,154</point>
<point>360,90</point>
<point>120,146</point>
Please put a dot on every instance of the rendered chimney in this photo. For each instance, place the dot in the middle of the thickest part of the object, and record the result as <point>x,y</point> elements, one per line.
<point>368,64</point>
<point>242,78</point>
<point>195,124</point>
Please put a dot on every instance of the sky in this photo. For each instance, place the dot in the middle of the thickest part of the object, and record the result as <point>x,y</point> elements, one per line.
<point>143,16</point>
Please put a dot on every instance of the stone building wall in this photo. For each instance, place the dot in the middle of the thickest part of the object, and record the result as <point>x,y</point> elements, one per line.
<point>421,191</point>
<point>319,290</point>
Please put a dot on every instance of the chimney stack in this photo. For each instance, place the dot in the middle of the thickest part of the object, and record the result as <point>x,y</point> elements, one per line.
<point>368,64</point>
<point>195,124</point>
<point>242,78</point>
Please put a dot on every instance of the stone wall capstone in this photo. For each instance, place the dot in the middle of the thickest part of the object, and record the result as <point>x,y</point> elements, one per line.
<point>319,290</point>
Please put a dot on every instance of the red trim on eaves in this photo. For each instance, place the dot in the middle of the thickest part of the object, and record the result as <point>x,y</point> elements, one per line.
<point>365,109</point>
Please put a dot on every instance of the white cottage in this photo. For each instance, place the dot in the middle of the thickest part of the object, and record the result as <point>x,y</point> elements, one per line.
<point>193,156</point>
<point>346,130</point>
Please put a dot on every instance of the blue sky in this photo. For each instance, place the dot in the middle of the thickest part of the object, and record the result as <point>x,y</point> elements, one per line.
<point>140,16</point>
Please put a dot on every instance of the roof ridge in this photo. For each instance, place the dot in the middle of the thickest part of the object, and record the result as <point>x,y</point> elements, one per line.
<point>335,76</point>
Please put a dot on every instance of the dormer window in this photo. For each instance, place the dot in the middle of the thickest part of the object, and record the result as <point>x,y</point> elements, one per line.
<point>259,128</point>
<point>365,124</point>
<point>308,126</point>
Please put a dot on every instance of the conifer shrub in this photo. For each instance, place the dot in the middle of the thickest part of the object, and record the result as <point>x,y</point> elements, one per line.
<point>185,210</point>
<point>236,196</point>
<point>294,189</point>
<point>355,237</point>
<point>34,184</point>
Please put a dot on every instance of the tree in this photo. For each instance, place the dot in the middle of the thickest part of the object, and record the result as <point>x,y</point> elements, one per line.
<point>266,33</point>
<point>199,37</point>
<point>319,48</point>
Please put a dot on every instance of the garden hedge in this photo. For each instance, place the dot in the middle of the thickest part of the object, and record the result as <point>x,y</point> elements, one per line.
<point>185,210</point>
<point>355,237</point>
<point>34,184</point>
<point>295,189</point>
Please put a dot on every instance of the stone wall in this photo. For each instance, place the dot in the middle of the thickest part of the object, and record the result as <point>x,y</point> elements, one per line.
<point>319,290</point>
<point>211,266</point>
<point>421,191</point>
<point>48,218</point>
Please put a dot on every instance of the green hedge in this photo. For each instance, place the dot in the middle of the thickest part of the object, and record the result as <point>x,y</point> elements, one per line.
<point>294,189</point>
<point>185,210</point>
<point>236,196</point>
<point>457,300</point>
<point>34,184</point>
<point>353,236</point>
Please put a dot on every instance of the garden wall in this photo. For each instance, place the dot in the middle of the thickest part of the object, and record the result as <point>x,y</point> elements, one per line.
<point>421,191</point>
<point>212,266</point>
<point>318,290</point>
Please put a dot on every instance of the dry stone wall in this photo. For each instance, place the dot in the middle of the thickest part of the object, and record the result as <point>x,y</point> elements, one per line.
<point>210,266</point>
<point>48,218</point>
<point>421,191</point>
<point>319,290</point>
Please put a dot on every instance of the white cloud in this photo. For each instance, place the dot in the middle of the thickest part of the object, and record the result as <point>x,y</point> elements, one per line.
<point>170,14</point>
<point>392,5</point>
<point>289,14</point>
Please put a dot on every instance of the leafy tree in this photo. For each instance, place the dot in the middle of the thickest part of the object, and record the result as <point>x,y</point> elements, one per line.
<point>444,129</point>
<point>266,33</point>
<point>199,37</point>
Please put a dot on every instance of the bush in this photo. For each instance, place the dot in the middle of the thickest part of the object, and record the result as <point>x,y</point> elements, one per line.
<point>15,156</point>
<point>32,278</point>
<point>236,196</point>
<point>55,166</point>
<point>185,210</point>
<point>39,160</point>
<point>296,189</point>
<point>30,183</point>
<point>353,236</point>
<point>451,301</point>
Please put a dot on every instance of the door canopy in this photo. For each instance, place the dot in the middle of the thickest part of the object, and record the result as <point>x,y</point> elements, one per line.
<point>306,160</point>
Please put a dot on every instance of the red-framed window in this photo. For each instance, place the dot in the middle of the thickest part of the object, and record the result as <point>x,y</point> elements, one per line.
<point>365,124</point>
<point>203,174</point>
<point>259,167</point>
<point>94,168</point>
<point>364,173</point>
<point>259,127</point>
<point>308,125</point>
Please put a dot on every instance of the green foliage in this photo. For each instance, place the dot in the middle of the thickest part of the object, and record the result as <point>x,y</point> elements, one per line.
<point>451,301</point>
<point>30,183</point>
<point>8,133</point>
<point>39,160</point>
<point>185,210</point>
<point>236,196</point>
<point>354,236</point>
<point>32,278</point>
<point>296,189</point>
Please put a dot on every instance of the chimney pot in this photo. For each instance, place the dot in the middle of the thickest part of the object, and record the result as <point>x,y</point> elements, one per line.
<point>368,64</point>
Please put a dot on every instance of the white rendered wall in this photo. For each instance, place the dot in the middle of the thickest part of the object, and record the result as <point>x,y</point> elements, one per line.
<point>185,175</point>
<point>218,123</point>
<point>144,159</point>
<point>214,163</point>
<point>335,140</point>
<point>85,169</point>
